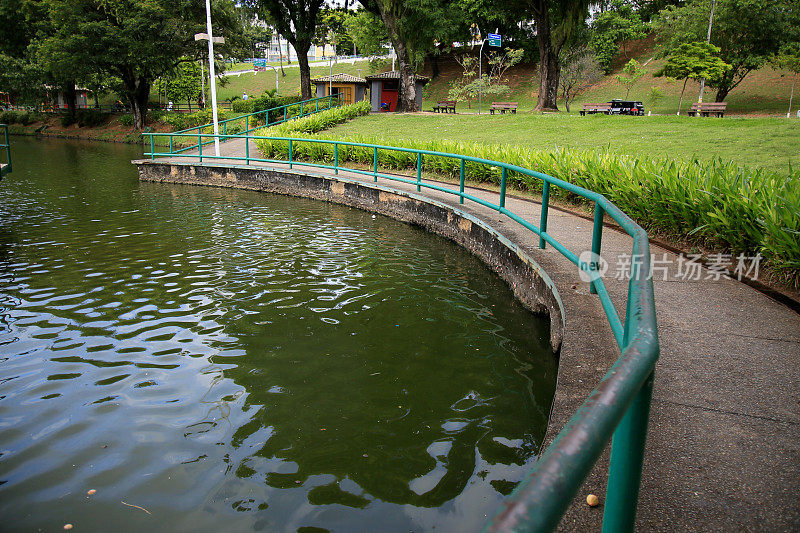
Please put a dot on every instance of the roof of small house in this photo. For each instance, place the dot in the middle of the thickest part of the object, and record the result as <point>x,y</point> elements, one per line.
<point>339,78</point>
<point>395,75</point>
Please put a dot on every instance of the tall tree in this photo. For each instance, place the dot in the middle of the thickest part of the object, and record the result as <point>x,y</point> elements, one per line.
<point>368,33</point>
<point>694,61</point>
<point>789,59</point>
<point>296,20</point>
<point>134,40</point>
<point>748,32</point>
<point>412,27</point>
<point>613,28</point>
<point>21,23</point>
<point>556,21</point>
<point>579,68</point>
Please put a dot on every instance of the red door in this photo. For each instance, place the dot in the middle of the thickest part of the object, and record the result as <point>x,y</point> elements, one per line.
<point>389,94</point>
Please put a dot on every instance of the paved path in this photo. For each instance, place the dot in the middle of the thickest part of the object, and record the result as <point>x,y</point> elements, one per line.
<point>723,449</point>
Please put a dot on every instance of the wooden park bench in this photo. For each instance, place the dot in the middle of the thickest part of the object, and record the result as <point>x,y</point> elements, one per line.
<point>503,107</point>
<point>706,109</point>
<point>445,106</point>
<point>596,108</point>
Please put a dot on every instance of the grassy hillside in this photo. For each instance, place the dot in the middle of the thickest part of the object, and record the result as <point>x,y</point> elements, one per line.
<point>256,84</point>
<point>764,92</point>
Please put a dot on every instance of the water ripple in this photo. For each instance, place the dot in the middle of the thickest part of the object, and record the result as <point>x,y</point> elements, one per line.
<point>233,360</point>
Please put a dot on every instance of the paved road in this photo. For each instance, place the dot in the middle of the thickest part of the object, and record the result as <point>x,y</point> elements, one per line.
<point>723,449</point>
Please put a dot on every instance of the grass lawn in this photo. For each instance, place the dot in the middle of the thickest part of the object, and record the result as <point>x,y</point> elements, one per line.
<point>769,143</point>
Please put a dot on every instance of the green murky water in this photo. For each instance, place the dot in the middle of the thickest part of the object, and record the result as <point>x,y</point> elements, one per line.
<point>236,361</point>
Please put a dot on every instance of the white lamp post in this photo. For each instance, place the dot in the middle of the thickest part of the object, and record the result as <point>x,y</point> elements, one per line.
<point>211,40</point>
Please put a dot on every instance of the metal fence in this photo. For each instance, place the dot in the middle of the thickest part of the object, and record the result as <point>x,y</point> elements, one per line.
<point>244,124</point>
<point>620,404</point>
<point>5,152</point>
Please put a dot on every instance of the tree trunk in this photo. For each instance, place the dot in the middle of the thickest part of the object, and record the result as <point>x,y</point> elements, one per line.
<point>407,92</point>
<point>280,55</point>
<point>549,67</point>
<point>137,91</point>
<point>680,102</point>
<point>722,94</point>
<point>305,70</point>
<point>69,95</point>
<point>434,60</point>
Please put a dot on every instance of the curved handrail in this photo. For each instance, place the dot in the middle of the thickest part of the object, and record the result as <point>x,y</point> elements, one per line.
<point>621,402</point>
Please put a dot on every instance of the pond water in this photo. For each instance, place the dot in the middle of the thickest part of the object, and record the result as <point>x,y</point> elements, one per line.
<point>231,360</point>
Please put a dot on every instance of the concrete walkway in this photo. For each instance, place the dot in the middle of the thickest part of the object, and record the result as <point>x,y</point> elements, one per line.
<point>723,448</point>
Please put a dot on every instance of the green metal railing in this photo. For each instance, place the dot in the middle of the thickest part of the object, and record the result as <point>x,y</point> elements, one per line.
<point>620,404</point>
<point>252,121</point>
<point>5,150</point>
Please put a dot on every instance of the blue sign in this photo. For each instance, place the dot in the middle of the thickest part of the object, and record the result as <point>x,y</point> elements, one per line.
<point>260,62</point>
<point>494,39</point>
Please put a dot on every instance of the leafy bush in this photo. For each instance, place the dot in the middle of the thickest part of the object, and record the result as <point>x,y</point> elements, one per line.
<point>66,120</point>
<point>242,106</point>
<point>8,117</point>
<point>90,118</point>
<point>718,203</point>
<point>126,119</point>
<point>316,122</point>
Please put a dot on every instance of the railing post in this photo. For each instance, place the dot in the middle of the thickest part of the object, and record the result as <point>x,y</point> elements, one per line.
<point>336,158</point>
<point>419,170</point>
<point>152,149</point>
<point>301,109</point>
<point>225,128</point>
<point>8,149</point>
<point>247,124</point>
<point>170,145</point>
<point>375,164</point>
<point>316,105</point>
<point>627,456</point>
<point>200,145</point>
<point>503,187</point>
<point>543,218</point>
<point>597,237</point>
<point>461,184</point>
<point>247,147</point>
<point>290,154</point>
<point>284,113</point>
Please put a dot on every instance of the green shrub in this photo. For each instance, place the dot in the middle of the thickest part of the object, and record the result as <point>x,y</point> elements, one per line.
<point>126,119</point>
<point>242,106</point>
<point>66,119</point>
<point>8,117</point>
<point>26,117</point>
<point>90,118</point>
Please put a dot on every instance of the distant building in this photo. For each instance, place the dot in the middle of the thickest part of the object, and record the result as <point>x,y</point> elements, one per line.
<point>384,87</point>
<point>353,89</point>
<point>56,100</point>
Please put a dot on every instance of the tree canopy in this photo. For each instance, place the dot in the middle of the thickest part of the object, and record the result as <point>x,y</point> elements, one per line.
<point>695,61</point>
<point>135,41</point>
<point>747,32</point>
